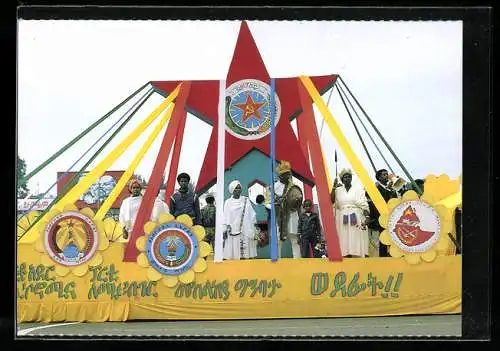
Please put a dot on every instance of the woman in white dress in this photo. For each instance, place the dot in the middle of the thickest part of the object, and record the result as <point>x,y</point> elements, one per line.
<point>240,220</point>
<point>350,217</point>
<point>130,207</point>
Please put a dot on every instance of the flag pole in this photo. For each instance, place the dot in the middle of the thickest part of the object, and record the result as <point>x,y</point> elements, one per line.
<point>219,215</point>
<point>273,237</point>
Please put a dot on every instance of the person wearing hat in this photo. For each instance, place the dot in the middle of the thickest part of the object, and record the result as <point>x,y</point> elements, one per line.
<point>384,186</point>
<point>239,220</point>
<point>288,203</point>
<point>130,207</point>
<point>208,214</point>
<point>351,212</point>
<point>185,201</point>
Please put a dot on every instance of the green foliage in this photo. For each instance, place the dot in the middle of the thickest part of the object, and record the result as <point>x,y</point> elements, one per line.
<point>22,189</point>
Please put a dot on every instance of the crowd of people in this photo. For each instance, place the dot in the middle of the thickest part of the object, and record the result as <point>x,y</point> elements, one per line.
<point>246,222</point>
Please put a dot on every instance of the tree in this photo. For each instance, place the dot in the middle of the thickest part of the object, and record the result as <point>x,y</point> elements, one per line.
<point>22,188</point>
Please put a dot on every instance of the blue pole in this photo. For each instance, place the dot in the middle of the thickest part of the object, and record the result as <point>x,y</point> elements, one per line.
<point>274,237</point>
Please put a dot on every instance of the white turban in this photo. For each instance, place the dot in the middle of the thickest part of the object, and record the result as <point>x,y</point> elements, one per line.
<point>233,186</point>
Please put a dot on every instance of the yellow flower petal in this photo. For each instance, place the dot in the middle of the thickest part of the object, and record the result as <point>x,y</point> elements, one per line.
<point>100,227</point>
<point>51,214</point>
<point>391,204</point>
<point>185,219</point>
<point>412,258</point>
<point>62,271</point>
<point>142,260</point>
<point>80,270</point>
<point>39,245</point>
<point>382,220</point>
<point>199,232</point>
<point>96,260</point>
<point>186,277</point>
<point>165,218</point>
<point>112,229</point>
<point>427,197</point>
<point>170,280</point>
<point>153,274</point>
<point>205,249</point>
<point>32,215</point>
<point>429,256</point>
<point>70,207</point>
<point>200,265</point>
<point>87,211</point>
<point>443,243</point>
<point>430,178</point>
<point>47,261</point>
<point>140,243</point>
<point>410,195</point>
<point>149,226</point>
<point>103,243</point>
<point>394,251</point>
<point>385,238</point>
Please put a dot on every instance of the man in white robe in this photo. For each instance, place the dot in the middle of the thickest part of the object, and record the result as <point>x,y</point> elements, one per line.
<point>240,220</point>
<point>351,210</point>
<point>130,207</point>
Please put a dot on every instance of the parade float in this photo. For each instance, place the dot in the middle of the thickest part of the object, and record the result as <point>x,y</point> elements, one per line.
<point>73,266</point>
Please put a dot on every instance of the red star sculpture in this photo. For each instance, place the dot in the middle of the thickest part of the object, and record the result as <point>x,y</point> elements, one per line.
<point>203,99</point>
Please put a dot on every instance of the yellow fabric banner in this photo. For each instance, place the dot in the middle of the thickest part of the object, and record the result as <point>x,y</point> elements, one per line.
<point>250,289</point>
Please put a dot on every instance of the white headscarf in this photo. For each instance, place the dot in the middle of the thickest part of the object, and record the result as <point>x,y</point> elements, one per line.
<point>233,186</point>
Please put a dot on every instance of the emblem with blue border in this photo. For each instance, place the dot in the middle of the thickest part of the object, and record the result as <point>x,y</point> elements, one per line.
<point>248,109</point>
<point>172,248</point>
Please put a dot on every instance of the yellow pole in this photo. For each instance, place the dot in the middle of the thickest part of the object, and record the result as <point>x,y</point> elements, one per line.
<point>93,175</point>
<point>369,185</point>
<point>130,170</point>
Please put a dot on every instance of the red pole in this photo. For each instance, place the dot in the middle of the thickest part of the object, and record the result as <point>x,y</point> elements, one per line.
<point>146,207</point>
<point>325,202</point>
<point>174,164</point>
<point>305,150</point>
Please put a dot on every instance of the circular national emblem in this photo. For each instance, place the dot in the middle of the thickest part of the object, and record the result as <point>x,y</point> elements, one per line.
<point>414,226</point>
<point>172,248</point>
<point>248,109</point>
<point>71,238</point>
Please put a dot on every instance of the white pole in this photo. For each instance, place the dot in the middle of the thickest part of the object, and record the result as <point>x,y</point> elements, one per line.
<point>219,217</point>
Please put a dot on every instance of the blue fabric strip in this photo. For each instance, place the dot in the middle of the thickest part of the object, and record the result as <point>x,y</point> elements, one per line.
<point>274,238</point>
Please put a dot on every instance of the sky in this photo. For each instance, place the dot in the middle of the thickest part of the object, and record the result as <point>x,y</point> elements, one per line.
<point>406,75</point>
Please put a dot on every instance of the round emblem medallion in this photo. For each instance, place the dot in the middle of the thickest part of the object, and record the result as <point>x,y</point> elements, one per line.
<point>172,248</point>
<point>71,238</point>
<point>414,226</point>
<point>248,109</point>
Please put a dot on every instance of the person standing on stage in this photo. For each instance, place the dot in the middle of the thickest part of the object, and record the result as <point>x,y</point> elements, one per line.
<point>309,230</point>
<point>130,207</point>
<point>239,220</point>
<point>185,201</point>
<point>288,202</point>
<point>351,212</point>
<point>208,214</point>
<point>384,186</point>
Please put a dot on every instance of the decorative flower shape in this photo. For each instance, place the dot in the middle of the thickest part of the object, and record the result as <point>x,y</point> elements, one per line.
<point>438,188</point>
<point>25,222</point>
<point>113,231</point>
<point>71,240</point>
<point>417,228</point>
<point>173,250</point>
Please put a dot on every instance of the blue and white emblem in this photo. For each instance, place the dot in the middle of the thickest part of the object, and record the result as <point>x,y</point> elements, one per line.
<point>172,248</point>
<point>248,109</point>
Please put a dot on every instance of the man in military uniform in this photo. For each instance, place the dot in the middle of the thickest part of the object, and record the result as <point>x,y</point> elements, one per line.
<point>185,201</point>
<point>208,219</point>
<point>288,203</point>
